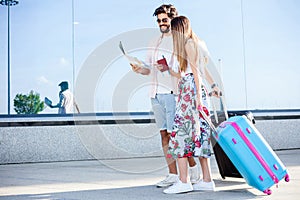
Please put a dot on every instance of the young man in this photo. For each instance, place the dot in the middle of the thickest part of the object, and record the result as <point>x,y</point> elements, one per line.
<point>66,102</point>
<point>164,89</point>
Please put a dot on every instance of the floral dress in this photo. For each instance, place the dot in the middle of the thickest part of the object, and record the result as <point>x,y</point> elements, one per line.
<point>191,133</point>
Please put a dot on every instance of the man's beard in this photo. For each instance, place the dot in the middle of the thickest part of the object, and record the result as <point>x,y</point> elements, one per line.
<point>167,30</point>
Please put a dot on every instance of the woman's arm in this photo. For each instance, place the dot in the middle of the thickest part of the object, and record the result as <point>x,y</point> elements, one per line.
<point>173,73</point>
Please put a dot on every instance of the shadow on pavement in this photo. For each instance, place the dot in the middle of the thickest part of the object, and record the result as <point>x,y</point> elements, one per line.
<point>142,192</point>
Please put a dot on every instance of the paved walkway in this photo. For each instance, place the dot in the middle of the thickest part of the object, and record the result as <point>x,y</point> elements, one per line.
<point>127,179</point>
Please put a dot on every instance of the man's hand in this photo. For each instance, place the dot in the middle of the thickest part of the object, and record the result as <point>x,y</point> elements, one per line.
<point>139,70</point>
<point>135,68</point>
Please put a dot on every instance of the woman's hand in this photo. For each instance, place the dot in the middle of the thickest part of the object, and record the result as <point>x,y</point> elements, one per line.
<point>215,91</point>
<point>199,103</point>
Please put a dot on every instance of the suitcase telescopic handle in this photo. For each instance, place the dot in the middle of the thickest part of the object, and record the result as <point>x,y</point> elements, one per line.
<point>222,101</point>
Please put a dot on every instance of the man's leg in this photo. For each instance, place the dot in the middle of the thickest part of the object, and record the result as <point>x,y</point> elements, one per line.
<point>160,118</point>
<point>172,176</point>
<point>193,170</point>
<point>192,162</point>
<point>165,138</point>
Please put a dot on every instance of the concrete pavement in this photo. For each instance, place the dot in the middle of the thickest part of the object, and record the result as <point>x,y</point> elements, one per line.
<point>127,179</point>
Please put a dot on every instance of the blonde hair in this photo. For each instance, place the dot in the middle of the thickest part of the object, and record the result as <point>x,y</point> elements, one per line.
<point>182,32</point>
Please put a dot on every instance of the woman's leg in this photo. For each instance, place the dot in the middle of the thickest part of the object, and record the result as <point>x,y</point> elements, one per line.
<point>205,166</point>
<point>207,183</point>
<point>183,185</point>
<point>183,169</point>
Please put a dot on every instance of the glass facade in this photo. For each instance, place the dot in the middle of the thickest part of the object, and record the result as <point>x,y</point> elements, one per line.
<point>253,43</point>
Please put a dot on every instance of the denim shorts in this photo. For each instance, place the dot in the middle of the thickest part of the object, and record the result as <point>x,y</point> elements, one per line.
<point>163,106</point>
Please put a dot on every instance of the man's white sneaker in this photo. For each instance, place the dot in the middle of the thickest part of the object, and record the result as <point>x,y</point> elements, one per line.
<point>201,185</point>
<point>168,181</point>
<point>194,174</point>
<point>179,187</point>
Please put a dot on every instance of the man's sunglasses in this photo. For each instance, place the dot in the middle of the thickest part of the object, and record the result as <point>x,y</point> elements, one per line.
<point>164,20</point>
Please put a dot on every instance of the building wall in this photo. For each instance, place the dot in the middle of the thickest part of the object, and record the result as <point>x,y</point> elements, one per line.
<point>23,144</point>
<point>254,44</point>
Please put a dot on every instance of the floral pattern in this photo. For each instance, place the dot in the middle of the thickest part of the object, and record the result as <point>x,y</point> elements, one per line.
<point>191,133</point>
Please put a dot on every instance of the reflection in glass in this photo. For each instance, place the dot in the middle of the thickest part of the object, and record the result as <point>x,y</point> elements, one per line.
<point>8,3</point>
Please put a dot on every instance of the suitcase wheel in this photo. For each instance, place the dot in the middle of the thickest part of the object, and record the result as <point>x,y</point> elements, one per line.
<point>287,178</point>
<point>268,191</point>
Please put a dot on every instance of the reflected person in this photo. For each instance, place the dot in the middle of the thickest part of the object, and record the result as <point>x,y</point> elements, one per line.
<point>67,101</point>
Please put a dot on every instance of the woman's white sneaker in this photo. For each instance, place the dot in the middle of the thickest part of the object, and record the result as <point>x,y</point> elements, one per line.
<point>201,185</point>
<point>179,187</point>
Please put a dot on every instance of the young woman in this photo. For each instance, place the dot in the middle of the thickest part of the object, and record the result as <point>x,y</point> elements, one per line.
<point>191,133</point>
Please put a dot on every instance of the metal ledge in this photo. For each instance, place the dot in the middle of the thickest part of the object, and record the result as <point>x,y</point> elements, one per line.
<point>120,118</point>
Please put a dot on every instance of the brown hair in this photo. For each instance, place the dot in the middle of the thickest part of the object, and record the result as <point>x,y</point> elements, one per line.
<point>168,9</point>
<point>182,32</point>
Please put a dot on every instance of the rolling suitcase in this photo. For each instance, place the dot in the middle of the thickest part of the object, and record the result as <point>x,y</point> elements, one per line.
<point>225,165</point>
<point>246,148</point>
<point>250,153</point>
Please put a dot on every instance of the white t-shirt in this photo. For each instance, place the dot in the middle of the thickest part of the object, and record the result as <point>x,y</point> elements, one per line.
<point>67,102</point>
<point>162,82</point>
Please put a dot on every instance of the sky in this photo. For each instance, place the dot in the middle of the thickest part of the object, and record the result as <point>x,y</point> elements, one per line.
<point>256,41</point>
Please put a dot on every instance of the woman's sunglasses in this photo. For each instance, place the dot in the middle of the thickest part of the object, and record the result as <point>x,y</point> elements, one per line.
<point>164,20</point>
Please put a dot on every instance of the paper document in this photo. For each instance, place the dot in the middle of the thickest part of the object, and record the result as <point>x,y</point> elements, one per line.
<point>48,102</point>
<point>133,60</point>
<point>164,64</point>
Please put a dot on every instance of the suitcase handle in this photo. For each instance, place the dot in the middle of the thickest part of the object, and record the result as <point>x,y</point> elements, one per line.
<point>207,119</point>
<point>222,102</point>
